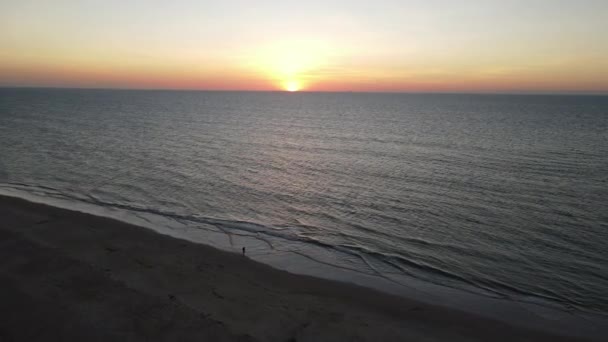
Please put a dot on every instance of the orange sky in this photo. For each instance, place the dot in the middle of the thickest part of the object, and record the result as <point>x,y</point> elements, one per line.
<point>443,46</point>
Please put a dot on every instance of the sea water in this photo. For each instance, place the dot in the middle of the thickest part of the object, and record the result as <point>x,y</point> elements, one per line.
<point>504,196</point>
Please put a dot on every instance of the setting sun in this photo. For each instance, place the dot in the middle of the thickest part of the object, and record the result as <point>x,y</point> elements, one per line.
<point>292,86</point>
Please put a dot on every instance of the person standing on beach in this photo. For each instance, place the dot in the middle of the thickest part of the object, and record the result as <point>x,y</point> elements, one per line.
<point>243,250</point>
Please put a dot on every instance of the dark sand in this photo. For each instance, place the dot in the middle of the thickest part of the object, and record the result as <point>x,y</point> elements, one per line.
<point>69,276</point>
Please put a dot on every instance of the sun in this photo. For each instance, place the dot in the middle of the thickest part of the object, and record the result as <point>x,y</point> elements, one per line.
<point>292,86</point>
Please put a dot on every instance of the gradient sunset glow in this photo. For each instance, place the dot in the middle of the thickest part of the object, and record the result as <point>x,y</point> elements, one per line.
<point>418,46</point>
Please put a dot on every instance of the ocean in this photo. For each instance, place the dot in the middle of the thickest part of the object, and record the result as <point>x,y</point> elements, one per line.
<point>501,196</point>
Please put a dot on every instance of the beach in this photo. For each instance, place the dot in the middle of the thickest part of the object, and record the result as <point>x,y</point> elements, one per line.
<point>68,275</point>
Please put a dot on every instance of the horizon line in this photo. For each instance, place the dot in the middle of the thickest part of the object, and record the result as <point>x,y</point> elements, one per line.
<point>556,93</point>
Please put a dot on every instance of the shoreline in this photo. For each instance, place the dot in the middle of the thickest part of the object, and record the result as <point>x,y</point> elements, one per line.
<point>249,299</point>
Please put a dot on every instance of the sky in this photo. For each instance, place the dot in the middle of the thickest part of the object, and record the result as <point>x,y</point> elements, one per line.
<point>504,46</point>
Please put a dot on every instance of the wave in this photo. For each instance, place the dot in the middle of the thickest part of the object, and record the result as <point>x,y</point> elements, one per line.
<point>381,264</point>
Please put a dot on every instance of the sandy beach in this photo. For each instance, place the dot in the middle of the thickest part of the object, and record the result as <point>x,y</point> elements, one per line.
<point>70,276</point>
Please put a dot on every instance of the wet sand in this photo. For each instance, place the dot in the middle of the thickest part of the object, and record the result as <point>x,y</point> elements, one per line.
<point>69,276</point>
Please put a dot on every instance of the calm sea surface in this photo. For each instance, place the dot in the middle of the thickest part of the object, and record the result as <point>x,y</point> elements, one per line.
<point>505,196</point>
